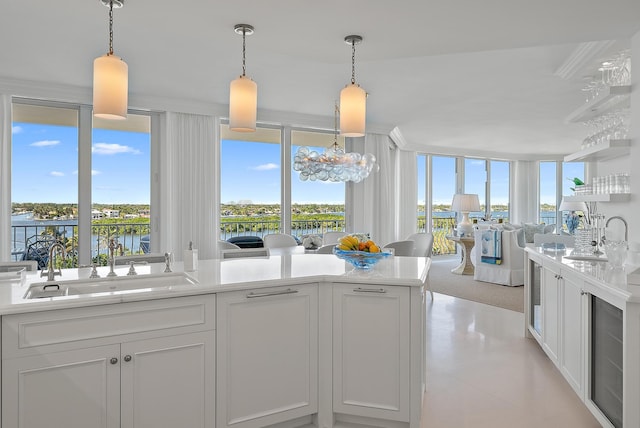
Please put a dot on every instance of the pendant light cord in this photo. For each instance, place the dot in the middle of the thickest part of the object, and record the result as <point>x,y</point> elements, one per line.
<point>335,126</point>
<point>111,27</point>
<point>244,49</point>
<point>353,62</point>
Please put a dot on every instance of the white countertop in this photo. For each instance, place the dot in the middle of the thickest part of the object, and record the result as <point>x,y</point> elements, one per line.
<point>597,273</point>
<point>215,276</point>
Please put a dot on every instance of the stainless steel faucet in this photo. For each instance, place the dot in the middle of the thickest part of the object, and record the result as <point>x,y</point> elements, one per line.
<point>626,226</point>
<point>112,260</point>
<point>51,272</point>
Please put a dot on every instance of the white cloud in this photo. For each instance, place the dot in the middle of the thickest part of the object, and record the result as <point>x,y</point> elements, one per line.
<point>56,174</point>
<point>95,172</point>
<point>16,129</point>
<point>113,149</point>
<point>45,143</point>
<point>266,167</point>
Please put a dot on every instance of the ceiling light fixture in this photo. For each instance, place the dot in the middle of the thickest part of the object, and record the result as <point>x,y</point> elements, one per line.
<point>353,99</point>
<point>243,93</point>
<point>334,164</point>
<point>110,77</point>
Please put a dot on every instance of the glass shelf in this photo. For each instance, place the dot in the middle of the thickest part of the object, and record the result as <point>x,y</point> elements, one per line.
<point>601,152</point>
<point>616,97</point>
<point>600,197</point>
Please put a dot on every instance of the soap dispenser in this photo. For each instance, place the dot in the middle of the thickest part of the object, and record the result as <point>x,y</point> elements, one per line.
<point>190,258</point>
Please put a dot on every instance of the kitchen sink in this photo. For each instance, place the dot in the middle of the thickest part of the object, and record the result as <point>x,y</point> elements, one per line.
<point>115,285</point>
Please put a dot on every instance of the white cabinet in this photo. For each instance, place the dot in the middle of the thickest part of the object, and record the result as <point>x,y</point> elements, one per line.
<point>132,365</point>
<point>371,334</point>
<point>572,332</point>
<point>73,389</point>
<point>267,366</point>
<point>550,296</point>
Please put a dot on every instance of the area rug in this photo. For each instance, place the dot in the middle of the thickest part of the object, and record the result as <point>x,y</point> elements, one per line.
<point>464,286</point>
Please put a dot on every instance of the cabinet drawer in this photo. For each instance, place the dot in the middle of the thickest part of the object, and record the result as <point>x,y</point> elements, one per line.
<point>50,331</point>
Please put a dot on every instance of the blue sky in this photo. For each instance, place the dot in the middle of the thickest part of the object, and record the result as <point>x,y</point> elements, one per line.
<point>251,172</point>
<point>45,168</point>
<point>45,165</point>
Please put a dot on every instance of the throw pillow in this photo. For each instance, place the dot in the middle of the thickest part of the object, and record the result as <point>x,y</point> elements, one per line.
<point>531,229</point>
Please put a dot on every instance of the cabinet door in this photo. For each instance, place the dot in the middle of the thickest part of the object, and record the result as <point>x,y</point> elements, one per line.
<point>72,389</point>
<point>572,333</point>
<point>267,368</point>
<point>550,298</point>
<point>169,382</point>
<point>371,329</point>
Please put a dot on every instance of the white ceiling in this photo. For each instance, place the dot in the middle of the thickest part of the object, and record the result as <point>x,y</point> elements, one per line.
<point>463,76</point>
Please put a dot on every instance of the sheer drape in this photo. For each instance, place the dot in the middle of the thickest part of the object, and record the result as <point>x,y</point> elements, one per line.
<point>5,177</point>
<point>407,194</point>
<point>371,204</point>
<point>188,175</point>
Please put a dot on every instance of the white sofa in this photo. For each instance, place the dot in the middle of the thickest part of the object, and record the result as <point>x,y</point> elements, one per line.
<point>511,271</point>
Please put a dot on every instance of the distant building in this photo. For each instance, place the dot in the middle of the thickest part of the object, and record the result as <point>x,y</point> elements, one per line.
<point>111,213</point>
<point>96,215</point>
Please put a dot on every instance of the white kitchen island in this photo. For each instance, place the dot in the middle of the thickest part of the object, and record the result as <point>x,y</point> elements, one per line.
<point>299,340</point>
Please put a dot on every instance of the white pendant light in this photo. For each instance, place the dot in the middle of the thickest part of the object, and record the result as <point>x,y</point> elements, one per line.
<point>110,78</point>
<point>353,99</point>
<point>243,93</point>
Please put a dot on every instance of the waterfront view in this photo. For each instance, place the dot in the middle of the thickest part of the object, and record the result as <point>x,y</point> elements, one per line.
<point>35,226</point>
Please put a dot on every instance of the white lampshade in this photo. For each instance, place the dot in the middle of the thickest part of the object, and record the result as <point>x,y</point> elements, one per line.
<point>110,87</point>
<point>243,104</point>
<point>353,110</point>
<point>573,206</point>
<point>465,202</point>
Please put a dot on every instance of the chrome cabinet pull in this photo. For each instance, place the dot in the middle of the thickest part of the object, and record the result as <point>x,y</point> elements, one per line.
<point>582,292</point>
<point>370,290</point>
<point>271,293</point>
<point>113,360</point>
<point>127,358</point>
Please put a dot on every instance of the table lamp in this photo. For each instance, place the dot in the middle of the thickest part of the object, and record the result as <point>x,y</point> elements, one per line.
<point>465,203</point>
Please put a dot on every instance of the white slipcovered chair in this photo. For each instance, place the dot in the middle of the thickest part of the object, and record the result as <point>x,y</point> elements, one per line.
<point>225,245</point>
<point>326,249</point>
<point>279,240</point>
<point>422,247</point>
<point>511,269</point>
<point>332,237</point>
<point>401,248</point>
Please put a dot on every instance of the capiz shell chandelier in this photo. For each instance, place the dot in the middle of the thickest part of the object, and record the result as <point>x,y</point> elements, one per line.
<point>334,164</point>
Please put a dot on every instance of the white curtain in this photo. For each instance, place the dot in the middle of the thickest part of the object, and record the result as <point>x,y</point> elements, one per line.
<point>371,204</point>
<point>407,194</point>
<point>5,177</point>
<point>189,183</point>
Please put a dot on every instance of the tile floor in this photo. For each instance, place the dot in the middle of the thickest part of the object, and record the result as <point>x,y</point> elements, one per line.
<point>482,372</point>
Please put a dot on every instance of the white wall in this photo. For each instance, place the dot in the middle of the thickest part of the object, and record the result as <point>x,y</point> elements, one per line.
<point>630,211</point>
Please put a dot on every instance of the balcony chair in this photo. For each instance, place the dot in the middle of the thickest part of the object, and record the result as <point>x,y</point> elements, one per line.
<point>401,248</point>
<point>510,271</point>
<point>332,237</point>
<point>279,240</point>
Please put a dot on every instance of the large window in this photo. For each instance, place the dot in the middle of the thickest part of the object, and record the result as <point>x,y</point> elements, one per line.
<point>499,190</point>
<point>316,206</point>
<point>443,187</point>
<point>77,188</point>
<point>250,182</point>
<point>475,181</point>
<point>548,179</point>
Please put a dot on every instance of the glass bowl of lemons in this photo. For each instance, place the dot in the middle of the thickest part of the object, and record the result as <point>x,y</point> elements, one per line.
<point>361,254</point>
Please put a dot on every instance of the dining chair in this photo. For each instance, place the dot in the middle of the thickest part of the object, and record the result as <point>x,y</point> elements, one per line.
<point>225,245</point>
<point>332,237</point>
<point>423,248</point>
<point>401,248</point>
<point>279,240</point>
<point>326,249</point>
<point>148,258</point>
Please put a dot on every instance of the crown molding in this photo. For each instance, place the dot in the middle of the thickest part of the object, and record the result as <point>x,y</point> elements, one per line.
<point>581,57</point>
